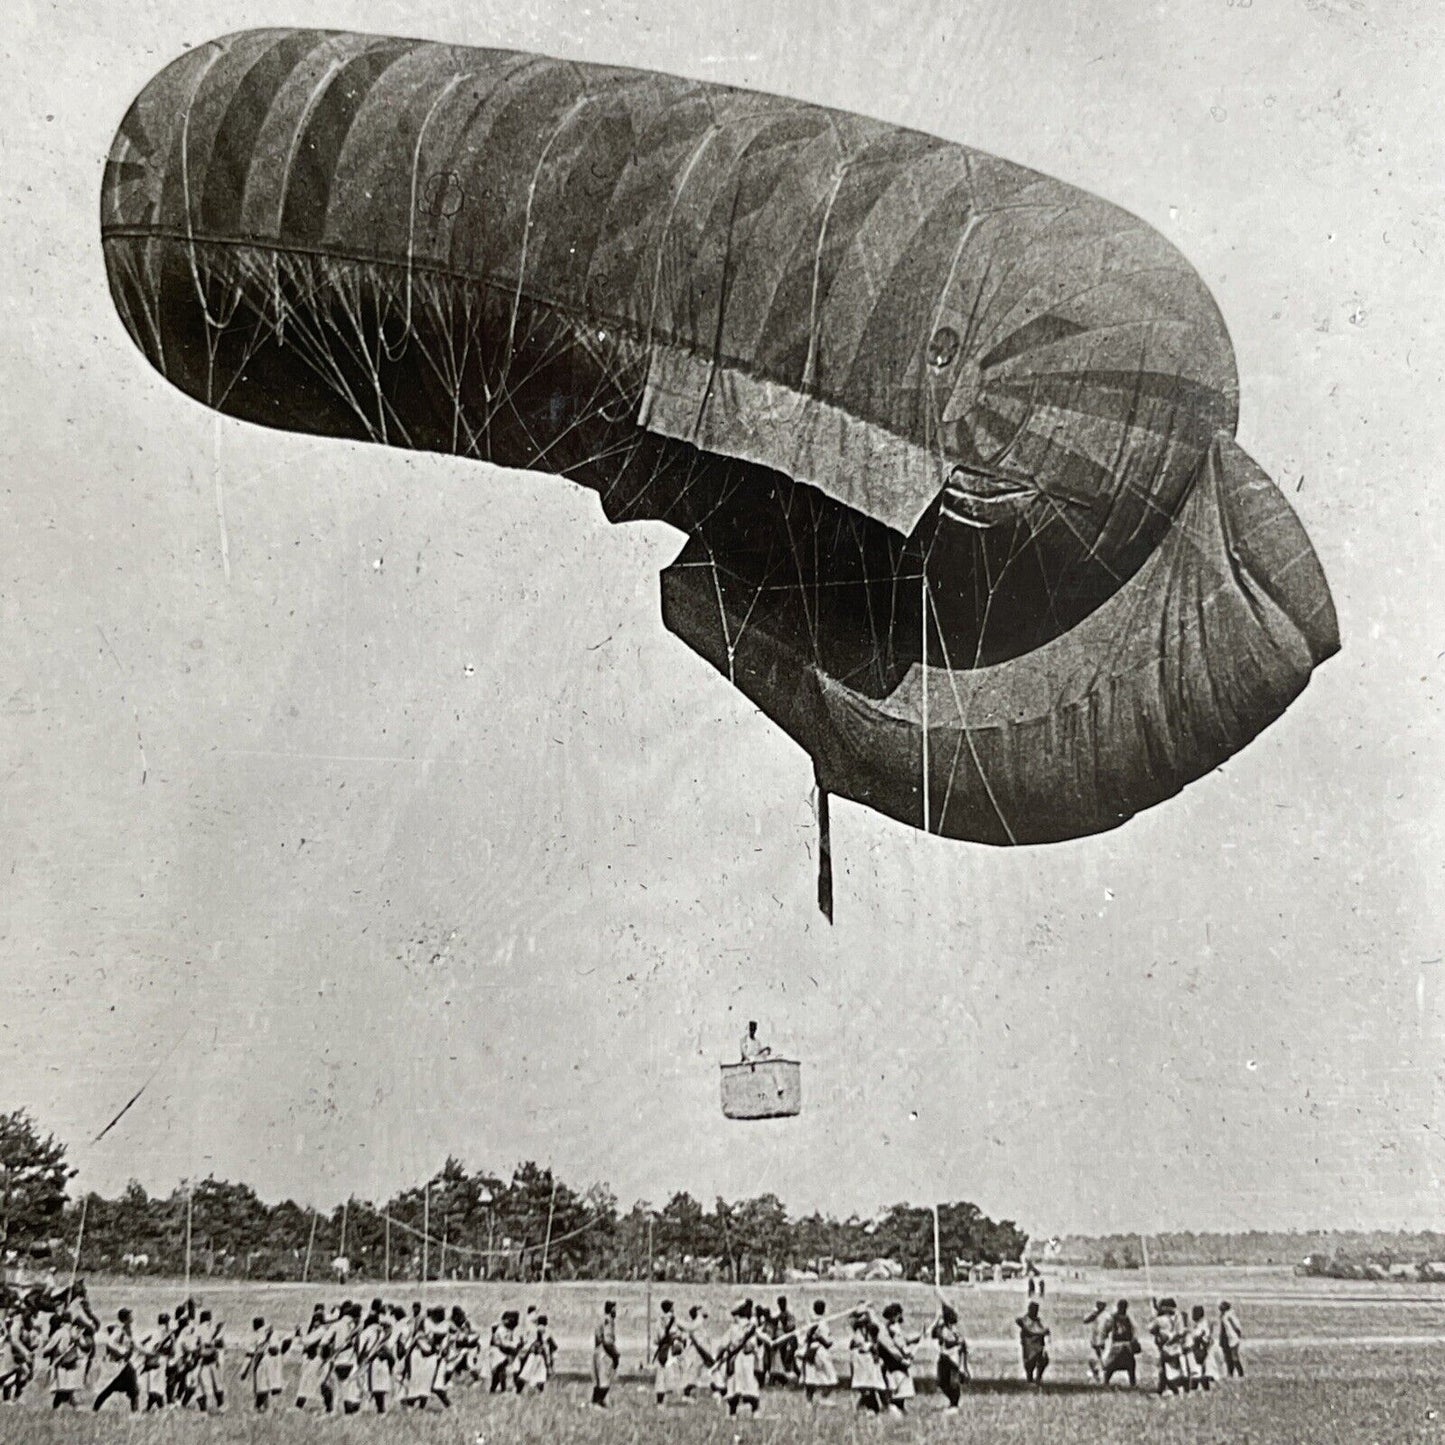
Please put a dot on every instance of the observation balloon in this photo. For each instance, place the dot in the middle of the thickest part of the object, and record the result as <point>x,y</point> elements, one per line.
<point>951,442</point>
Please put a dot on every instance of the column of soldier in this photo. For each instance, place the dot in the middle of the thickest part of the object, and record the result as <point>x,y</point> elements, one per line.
<point>349,1357</point>
<point>346,1355</point>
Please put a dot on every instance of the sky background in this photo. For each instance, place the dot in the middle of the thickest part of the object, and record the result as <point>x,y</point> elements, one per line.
<point>401,826</point>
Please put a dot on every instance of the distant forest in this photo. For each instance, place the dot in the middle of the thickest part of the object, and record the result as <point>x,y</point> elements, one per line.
<point>462,1223</point>
<point>1255,1246</point>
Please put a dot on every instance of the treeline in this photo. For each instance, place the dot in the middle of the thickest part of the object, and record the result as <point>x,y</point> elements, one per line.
<point>463,1224</point>
<point>1255,1246</point>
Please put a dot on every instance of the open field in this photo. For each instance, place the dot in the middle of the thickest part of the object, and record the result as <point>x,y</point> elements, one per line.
<point>1326,1363</point>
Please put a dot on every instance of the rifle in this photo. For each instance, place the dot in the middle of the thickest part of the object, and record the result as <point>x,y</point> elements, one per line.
<point>663,1347</point>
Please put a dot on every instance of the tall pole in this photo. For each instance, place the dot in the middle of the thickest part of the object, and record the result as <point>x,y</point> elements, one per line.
<point>1148,1277</point>
<point>937,1258</point>
<point>425,1233</point>
<point>310,1242</point>
<point>647,1324</point>
<point>190,1201</point>
<point>547,1238</point>
<point>345,1206</point>
<point>442,1272</point>
<point>387,1217</point>
<point>79,1239</point>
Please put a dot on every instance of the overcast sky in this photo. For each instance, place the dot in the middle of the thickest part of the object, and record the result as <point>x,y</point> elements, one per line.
<point>404,827</point>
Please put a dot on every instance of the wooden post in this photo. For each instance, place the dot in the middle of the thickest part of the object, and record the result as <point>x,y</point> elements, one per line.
<point>79,1239</point>
<point>647,1330</point>
<point>425,1233</point>
<point>937,1258</point>
<point>345,1206</point>
<point>310,1242</point>
<point>547,1238</point>
<point>190,1200</point>
<point>387,1217</point>
<point>442,1272</point>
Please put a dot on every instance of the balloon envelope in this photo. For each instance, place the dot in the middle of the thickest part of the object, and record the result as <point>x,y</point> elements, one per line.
<point>951,441</point>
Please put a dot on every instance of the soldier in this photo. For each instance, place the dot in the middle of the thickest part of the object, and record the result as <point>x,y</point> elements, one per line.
<point>1098,1319</point>
<point>374,1355</point>
<point>185,1357</point>
<point>68,1351</point>
<point>342,1384</point>
<point>698,1359</point>
<point>752,1046</point>
<point>784,1354</point>
<point>896,1348</point>
<point>444,1344</point>
<point>1123,1345</point>
<point>263,1363</point>
<point>742,1356</point>
<point>1201,1358</point>
<point>605,1356</point>
<point>465,1357</point>
<point>867,1380</point>
<point>210,1350</point>
<point>666,1347</point>
<point>534,1366</point>
<point>817,1361</point>
<point>1168,1329</point>
<point>154,1351</point>
<point>1231,1336</point>
<point>502,1349</point>
<point>120,1352</point>
<point>17,1354</point>
<point>313,1367</point>
<point>422,1363</point>
<point>1033,1341</point>
<point>952,1355</point>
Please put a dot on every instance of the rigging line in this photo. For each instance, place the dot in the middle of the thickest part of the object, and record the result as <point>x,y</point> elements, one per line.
<point>126,1107</point>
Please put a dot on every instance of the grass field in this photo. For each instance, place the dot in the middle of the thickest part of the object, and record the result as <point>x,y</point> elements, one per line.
<point>1326,1363</point>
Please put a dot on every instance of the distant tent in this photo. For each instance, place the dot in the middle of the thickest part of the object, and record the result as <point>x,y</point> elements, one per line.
<point>762,1089</point>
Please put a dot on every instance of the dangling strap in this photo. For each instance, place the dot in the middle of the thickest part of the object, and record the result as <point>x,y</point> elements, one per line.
<point>825,855</point>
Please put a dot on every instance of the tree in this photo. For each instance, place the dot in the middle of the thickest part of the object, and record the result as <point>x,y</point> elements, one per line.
<point>33,1176</point>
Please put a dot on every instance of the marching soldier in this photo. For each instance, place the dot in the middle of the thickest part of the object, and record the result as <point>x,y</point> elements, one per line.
<point>341,1384</point>
<point>534,1367</point>
<point>952,1355</point>
<point>1034,1343</point>
<point>68,1351</point>
<point>375,1353</point>
<point>896,1347</point>
<point>263,1363</point>
<point>313,1367</point>
<point>209,1350</point>
<point>817,1360</point>
<point>185,1357</point>
<point>1123,1345</point>
<point>697,1360</point>
<point>1231,1336</point>
<point>867,1380</point>
<point>120,1354</point>
<point>1167,1329</point>
<point>1098,1320</point>
<point>502,1350</point>
<point>783,1356</point>
<point>666,1350</point>
<point>154,1351</point>
<point>605,1356</point>
<point>742,1355</point>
